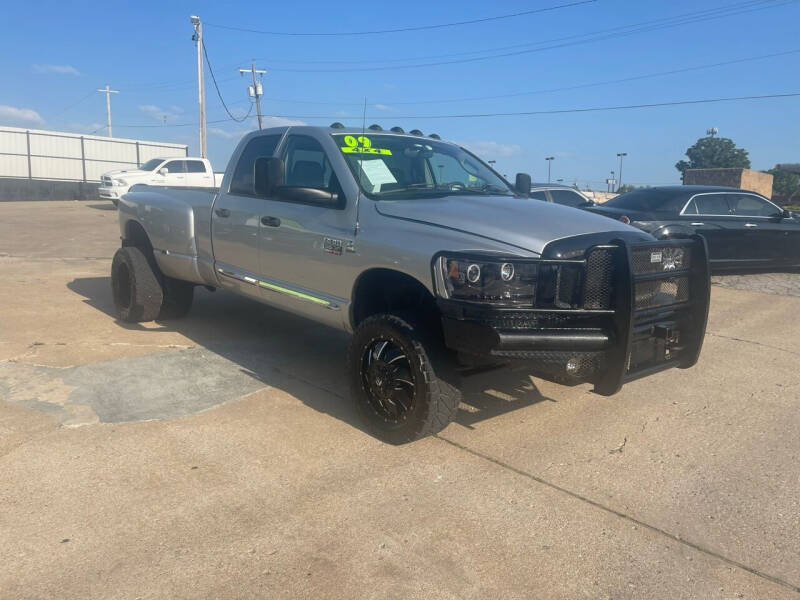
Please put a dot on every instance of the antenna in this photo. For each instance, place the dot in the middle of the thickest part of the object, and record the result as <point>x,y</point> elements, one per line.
<point>360,167</point>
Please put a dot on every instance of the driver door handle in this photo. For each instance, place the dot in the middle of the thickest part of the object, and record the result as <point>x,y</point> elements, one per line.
<point>223,212</point>
<point>750,225</point>
<point>697,224</point>
<point>271,221</point>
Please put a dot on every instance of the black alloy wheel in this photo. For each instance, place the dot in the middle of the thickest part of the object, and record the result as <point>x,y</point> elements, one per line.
<point>388,380</point>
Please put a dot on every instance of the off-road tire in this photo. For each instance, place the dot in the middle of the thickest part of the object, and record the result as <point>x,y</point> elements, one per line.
<point>437,395</point>
<point>134,286</point>
<point>178,296</point>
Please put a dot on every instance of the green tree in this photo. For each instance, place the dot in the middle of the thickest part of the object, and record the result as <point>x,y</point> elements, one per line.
<point>625,188</point>
<point>785,184</point>
<point>714,153</point>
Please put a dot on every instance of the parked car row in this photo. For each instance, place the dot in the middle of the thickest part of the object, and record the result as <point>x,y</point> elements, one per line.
<point>170,172</point>
<point>743,230</point>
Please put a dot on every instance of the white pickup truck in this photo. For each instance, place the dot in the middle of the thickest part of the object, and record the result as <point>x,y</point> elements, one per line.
<point>184,172</point>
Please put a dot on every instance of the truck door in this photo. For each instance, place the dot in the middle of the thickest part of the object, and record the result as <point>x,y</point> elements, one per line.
<point>236,221</point>
<point>767,245</point>
<point>198,175</point>
<point>305,247</point>
<point>175,176</point>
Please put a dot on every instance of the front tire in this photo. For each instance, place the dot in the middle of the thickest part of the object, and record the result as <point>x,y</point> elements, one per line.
<point>134,286</point>
<point>403,382</point>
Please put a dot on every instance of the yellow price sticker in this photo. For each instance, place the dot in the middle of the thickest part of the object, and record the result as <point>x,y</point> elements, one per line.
<point>360,150</point>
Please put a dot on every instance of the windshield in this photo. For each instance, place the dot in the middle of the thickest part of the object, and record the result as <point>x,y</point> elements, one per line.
<point>648,201</point>
<point>395,167</point>
<point>151,164</point>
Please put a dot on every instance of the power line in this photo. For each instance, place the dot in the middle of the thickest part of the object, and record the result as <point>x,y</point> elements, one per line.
<point>717,12</point>
<point>216,87</point>
<point>551,90</point>
<point>526,113</point>
<point>615,33</point>
<point>406,29</point>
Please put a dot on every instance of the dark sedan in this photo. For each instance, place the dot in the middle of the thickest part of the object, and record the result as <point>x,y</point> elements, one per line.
<point>743,229</point>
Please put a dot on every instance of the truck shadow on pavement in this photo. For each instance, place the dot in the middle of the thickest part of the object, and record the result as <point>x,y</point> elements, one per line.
<point>237,346</point>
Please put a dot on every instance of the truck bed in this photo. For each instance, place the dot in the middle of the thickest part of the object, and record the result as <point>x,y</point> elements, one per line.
<point>178,223</point>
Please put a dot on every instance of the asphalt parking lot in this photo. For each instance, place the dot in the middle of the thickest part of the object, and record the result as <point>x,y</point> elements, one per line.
<point>218,456</point>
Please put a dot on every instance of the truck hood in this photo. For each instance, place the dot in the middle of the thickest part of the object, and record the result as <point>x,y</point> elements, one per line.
<point>521,222</point>
<point>128,173</point>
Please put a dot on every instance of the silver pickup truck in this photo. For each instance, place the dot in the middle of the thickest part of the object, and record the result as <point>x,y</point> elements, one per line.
<point>436,264</point>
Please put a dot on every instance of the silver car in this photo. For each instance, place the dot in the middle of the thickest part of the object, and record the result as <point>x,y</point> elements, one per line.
<point>430,259</point>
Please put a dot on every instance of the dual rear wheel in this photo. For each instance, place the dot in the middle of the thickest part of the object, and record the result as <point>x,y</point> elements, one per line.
<point>142,293</point>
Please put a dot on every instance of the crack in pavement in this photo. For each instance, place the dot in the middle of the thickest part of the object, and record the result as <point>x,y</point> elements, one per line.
<point>736,339</point>
<point>627,517</point>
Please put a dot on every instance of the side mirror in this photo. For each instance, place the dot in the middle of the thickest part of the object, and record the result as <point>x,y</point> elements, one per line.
<point>786,214</point>
<point>267,175</point>
<point>163,171</point>
<point>523,185</point>
<point>307,195</point>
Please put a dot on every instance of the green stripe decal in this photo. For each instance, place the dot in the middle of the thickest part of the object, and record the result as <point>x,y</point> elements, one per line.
<point>283,290</point>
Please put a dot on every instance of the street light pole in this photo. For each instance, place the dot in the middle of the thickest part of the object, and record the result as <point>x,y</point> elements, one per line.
<point>549,160</point>
<point>621,155</point>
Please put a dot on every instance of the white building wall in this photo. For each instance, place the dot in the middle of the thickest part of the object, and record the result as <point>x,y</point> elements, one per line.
<point>56,155</point>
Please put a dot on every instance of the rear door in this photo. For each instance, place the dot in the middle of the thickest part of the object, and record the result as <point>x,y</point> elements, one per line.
<point>236,221</point>
<point>197,174</point>
<point>710,215</point>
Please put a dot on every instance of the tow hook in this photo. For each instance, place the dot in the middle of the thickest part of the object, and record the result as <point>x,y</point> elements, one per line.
<point>670,336</point>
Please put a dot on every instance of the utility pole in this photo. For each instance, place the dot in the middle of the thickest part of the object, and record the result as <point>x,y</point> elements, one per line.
<point>256,90</point>
<point>549,160</point>
<point>621,155</point>
<point>108,91</point>
<point>201,86</point>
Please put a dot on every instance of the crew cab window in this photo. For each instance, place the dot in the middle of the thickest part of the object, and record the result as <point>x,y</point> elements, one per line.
<point>710,204</point>
<point>259,147</point>
<point>747,205</point>
<point>539,195</point>
<point>306,164</point>
<point>567,198</point>
<point>175,166</point>
<point>195,166</point>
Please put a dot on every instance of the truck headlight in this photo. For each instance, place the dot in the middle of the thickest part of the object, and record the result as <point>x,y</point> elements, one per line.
<point>499,282</point>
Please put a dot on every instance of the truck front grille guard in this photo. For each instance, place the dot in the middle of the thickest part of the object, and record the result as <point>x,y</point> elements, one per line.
<point>660,289</point>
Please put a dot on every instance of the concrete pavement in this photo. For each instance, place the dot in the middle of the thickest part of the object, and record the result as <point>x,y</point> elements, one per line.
<point>219,457</point>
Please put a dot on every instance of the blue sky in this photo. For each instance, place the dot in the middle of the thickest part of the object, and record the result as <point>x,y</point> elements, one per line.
<point>56,54</point>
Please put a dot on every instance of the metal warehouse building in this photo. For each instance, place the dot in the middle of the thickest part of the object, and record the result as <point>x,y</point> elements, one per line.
<point>37,164</point>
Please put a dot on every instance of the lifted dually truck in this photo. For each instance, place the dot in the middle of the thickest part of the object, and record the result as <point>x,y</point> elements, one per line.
<point>433,261</point>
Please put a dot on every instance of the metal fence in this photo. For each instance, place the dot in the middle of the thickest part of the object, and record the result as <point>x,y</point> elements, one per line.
<point>61,156</point>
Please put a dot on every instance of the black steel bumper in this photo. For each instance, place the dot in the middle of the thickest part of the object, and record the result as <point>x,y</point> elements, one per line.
<point>608,317</point>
